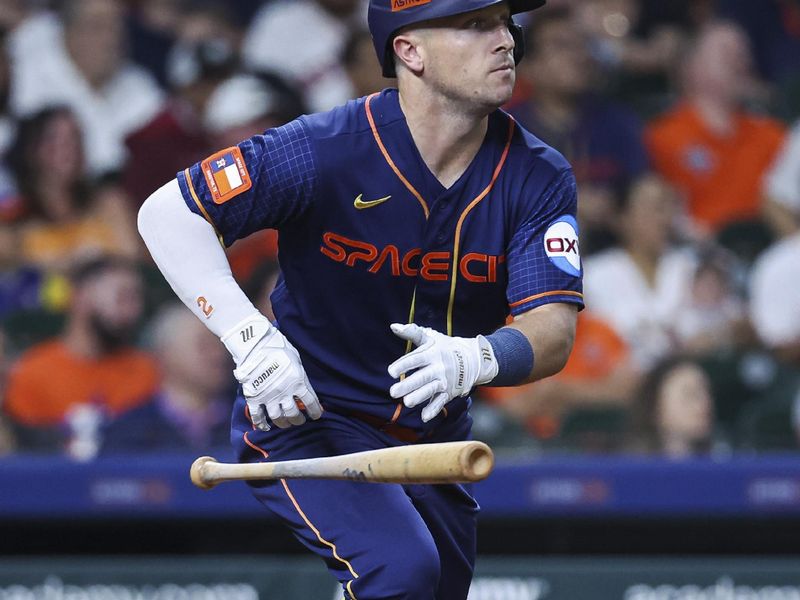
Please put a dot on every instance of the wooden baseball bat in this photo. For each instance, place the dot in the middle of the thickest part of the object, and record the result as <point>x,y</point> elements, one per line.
<point>447,462</point>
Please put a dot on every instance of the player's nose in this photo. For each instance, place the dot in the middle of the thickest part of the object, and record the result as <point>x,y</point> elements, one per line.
<point>505,41</point>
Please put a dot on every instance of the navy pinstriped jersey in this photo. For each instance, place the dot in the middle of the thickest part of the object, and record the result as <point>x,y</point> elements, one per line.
<point>368,236</point>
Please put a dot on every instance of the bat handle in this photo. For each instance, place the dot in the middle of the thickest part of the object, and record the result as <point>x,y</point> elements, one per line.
<point>199,475</point>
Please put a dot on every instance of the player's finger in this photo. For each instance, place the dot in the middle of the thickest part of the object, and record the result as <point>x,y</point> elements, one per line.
<point>412,382</point>
<point>292,412</point>
<point>308,401</point>
<point>275,414</point>
<point>434,407</point>
<point>408,362</point>
<point>410,331</point>
<point>258,415</point>
<point>423,393</point>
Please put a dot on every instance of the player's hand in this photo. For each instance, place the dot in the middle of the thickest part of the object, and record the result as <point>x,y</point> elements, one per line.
<point>273,380</point>
<point>440,368</point>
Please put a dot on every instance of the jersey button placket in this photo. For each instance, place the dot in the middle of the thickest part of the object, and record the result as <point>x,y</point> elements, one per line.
<point>439,221</point>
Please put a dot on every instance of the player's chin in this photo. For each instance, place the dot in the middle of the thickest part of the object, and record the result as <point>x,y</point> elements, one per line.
<point>500,95</point>
<point>502,82</point>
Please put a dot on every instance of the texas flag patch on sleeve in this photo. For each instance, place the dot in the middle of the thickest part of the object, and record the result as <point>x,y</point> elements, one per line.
<point>226,174</point>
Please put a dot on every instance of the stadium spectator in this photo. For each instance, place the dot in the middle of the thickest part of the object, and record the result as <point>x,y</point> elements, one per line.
<point>773,27</point>
<point>79,61</point>
<point>68,385</point>
<point>709,147</point>
<point>67,218</point>
<point>775,298</point>
<point>12,13</point>
<point>6,119</point>
<point>311,60</point>
<point>600,372</point>
<point>246,105</point>
<point>713,316</point>
<point>781,206</point>
<point>10,204</point>
<point>152,30</point>
<point>163,33</point>
<point>209,25</point>
<point>637,37</point>
<point>191,409</point>
<point>674,411</point>
<point>20,286</point>
<point>177,136</point>
<point>602,140</point>
<point>7,441</point>
<point>652,292</point>
<point>361,65</point>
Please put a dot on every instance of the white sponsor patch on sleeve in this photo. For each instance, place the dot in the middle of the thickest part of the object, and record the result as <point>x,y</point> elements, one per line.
<point>561,245</point>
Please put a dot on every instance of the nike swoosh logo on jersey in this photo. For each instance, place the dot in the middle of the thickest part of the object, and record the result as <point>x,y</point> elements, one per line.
<point>362,204</point>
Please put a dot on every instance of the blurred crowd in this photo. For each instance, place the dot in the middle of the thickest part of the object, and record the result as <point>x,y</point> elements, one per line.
<point>682,122</point>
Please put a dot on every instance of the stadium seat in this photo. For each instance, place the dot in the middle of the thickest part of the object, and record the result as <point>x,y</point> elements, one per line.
<point>766,425</point>
<point>737,378</point>
<point>596,429</point>
<point>24,329</point>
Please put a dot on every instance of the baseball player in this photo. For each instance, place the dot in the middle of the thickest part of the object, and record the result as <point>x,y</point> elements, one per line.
<point>414,223</point>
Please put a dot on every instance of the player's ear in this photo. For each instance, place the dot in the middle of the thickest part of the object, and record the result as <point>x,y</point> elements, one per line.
<point>408,53</point>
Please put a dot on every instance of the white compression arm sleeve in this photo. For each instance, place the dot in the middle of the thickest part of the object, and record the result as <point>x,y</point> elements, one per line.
<point>186,249</point>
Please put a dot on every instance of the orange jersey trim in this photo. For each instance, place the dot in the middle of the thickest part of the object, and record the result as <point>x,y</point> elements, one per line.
<point>350,590</point>
<point>388,158</point>
<point>199,204</point>
<point>322,540</point>
<point>462,218</point>
<point>544,294</point>
<point>249,417</point>
<point>397,411</point>
<point>253,446</point>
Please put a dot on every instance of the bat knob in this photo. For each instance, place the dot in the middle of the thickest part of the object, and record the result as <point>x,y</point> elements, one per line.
<point>477,461</point>
<point>198,474</point>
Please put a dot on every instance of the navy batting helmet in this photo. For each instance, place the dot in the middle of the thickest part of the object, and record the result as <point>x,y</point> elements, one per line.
<point>386,17</point>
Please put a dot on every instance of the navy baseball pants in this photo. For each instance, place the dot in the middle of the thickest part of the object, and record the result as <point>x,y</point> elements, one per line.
<point>381,541</point>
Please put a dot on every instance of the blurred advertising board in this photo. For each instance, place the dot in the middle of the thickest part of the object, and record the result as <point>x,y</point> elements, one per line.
<point>44,487</point>
<point>497,578</point>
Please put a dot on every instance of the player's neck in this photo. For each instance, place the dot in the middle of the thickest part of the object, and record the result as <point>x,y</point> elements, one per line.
<point>447,138</point>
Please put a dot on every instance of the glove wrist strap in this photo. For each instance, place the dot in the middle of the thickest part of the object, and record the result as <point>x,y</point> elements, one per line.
<point>243,337</point>
<point>488,366</point>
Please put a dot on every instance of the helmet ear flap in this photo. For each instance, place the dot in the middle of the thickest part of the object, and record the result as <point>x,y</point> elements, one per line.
<point>519,41</point>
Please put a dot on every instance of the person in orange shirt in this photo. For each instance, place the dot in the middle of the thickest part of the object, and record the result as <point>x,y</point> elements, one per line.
<point>63,389</point>
<point>599,372</point>
<point>710,148</point>
<point>66,216</point>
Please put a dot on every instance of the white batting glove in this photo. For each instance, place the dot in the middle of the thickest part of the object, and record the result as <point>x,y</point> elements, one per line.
<point>273,380</point>
<point>444,367</point>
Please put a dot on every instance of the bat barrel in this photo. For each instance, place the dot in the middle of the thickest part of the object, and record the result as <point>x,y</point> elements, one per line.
<point>477,461</point>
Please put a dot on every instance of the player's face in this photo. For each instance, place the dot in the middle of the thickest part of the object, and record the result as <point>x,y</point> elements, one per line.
<point>469,57</point>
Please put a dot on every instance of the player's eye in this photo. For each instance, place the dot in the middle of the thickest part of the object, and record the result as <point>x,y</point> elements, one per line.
<point>487,24</point>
